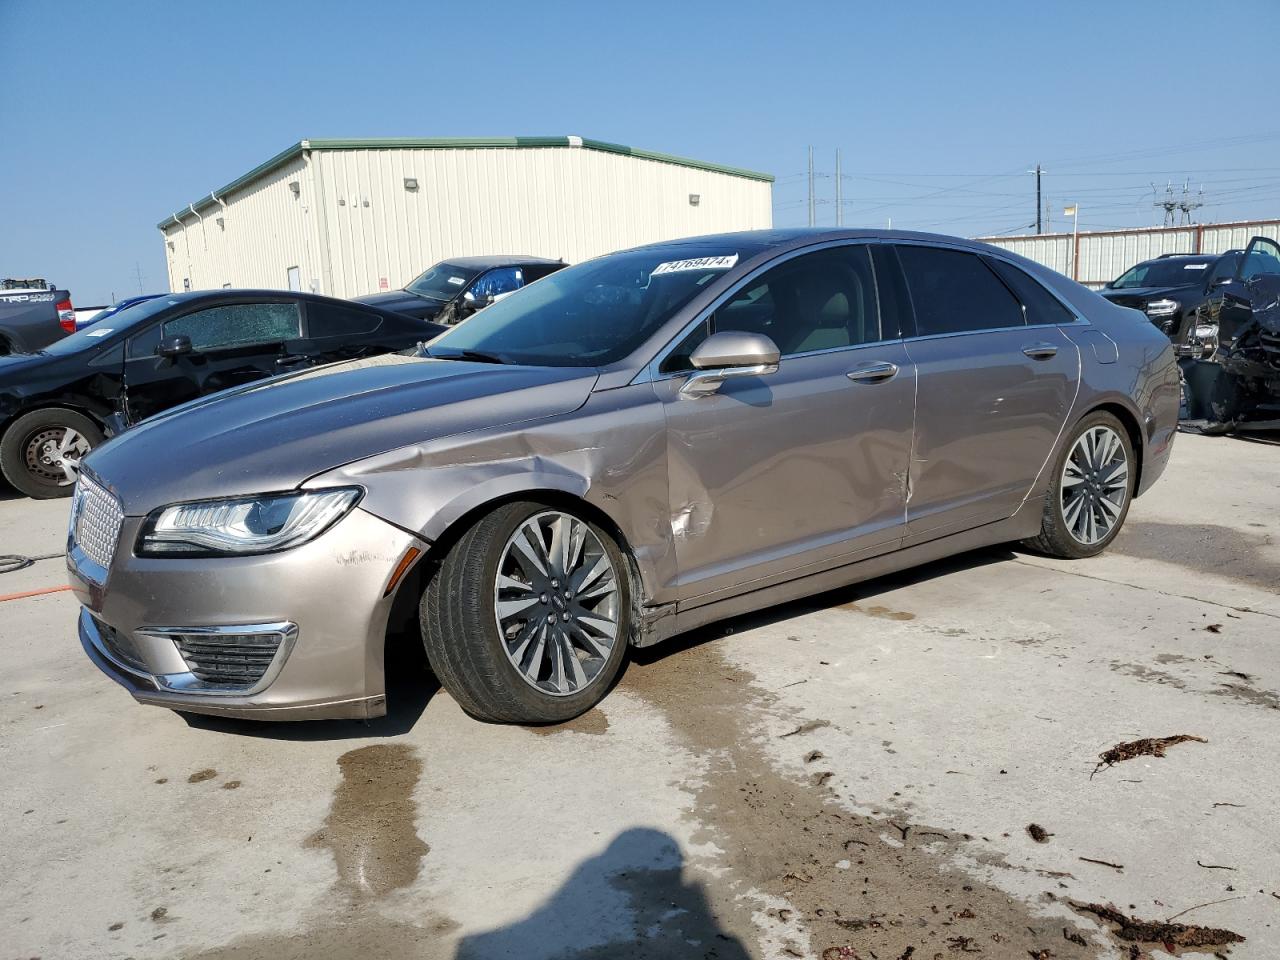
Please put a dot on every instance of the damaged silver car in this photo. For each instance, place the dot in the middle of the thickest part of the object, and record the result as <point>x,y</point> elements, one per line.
<point>627,449</point>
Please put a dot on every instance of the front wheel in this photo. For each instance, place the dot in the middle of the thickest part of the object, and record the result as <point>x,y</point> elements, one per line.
<point>1092,486</point>
<point>528,617</point>
<point>41,451</point>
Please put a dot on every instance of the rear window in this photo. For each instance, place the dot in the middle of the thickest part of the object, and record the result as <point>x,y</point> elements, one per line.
<point>1040,305</point>
<point>955,292</point>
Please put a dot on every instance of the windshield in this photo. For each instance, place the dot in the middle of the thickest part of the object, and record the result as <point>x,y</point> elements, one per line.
<point>1164,273</point>
<point>93,334</point>
<point>589,315</point>
<point>443,281</point>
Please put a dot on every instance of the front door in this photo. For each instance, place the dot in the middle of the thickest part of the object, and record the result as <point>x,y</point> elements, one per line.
<point>996,380</point>
<point>804,467</point>
<point>231,344</point>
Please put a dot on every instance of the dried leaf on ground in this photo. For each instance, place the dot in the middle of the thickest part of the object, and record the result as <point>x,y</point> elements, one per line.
<point>1169,935</point>
<point>1147,747</point>
<point>1038,833</point>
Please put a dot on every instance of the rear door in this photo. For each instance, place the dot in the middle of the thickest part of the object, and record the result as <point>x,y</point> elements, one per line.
<point>996,378</point>
<point>232,344</point>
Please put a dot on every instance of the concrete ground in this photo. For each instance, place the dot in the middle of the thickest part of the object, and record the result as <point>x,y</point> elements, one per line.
<point>849,777</point>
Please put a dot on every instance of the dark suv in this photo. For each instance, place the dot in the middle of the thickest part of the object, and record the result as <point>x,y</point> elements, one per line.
<point>1181,294</point>
<point>454,289</point>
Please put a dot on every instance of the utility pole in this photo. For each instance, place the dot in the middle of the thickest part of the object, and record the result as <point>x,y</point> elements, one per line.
<point>1039,200</point>
<point>839,202</point>
<point>811,186</point>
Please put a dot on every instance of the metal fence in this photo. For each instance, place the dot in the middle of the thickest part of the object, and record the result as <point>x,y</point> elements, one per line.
<point>1095,257</point>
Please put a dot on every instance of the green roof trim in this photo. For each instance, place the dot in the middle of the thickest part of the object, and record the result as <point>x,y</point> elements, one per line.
<point>451,143</point>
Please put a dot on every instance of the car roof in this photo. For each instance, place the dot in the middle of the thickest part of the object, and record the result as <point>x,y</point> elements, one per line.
<point>254,293</point>
<point>499,260</point>
<point>751,242</point>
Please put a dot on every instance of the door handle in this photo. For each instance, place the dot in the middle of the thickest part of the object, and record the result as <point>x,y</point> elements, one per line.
<point>873,372</point>
<point>288,362</point>
<point>1040,351</point>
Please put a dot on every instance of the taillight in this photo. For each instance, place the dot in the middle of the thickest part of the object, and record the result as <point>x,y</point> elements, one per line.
<point>67,315</point>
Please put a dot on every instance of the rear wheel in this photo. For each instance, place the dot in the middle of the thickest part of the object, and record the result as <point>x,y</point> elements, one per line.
<point>528,618</point>
<point>1092,486</point>
<point>40,453</point>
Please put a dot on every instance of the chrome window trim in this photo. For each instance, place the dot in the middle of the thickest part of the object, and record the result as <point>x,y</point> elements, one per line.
<point>651,373</point>
<point>189,683</point>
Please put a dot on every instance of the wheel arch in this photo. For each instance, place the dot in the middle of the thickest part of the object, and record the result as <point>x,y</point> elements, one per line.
<point>39,407</point>
<point>448,526</point>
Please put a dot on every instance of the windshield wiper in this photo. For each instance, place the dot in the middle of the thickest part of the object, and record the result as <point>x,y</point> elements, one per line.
<point>476,355</point>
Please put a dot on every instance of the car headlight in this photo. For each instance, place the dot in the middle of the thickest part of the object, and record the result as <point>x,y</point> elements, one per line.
<point>244,525</point>
<point>1163,308</point>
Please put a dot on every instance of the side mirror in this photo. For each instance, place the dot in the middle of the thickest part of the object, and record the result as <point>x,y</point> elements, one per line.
<point>470,303</point>
<point>179,345</point>
<point>728,355</point>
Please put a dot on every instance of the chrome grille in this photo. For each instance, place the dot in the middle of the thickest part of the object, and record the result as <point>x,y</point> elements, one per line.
<point>96,517</point>
<point>240,660</point>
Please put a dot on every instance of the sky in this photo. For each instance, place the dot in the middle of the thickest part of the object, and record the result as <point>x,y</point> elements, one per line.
<point>115,114</point>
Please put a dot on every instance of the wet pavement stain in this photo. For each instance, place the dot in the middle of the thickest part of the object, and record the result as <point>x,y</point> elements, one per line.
<point>884,613</point>
<point>844,885</point>
<point>593,722</point>
<point>202,775</point>
<point>370,829</point>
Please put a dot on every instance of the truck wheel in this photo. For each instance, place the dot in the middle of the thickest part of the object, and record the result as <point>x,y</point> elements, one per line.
<point>40,453</point>
<point>1092,486</point>
<point>528,618</point>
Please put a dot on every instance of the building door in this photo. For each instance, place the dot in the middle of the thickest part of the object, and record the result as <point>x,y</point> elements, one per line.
<point>295,278</point>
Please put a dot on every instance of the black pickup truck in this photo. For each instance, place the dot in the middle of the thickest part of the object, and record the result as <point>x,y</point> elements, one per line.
<point>33,314</point>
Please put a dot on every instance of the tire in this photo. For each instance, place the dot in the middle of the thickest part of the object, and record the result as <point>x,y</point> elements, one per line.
<point>500,663</point>
<point>1103,495</point>
<point>41,450</point>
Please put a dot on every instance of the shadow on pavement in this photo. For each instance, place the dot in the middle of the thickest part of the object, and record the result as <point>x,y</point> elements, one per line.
<point>631,901</point>
<point>824,601</point>
<point>410,687</point>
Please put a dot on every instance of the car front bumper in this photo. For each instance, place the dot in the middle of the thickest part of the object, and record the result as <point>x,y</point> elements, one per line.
<point>326,602</point>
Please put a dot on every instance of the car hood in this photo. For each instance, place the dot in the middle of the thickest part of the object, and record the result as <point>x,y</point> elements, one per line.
<point>275,435</point>
<point>401,301</point>
<point>1132,294</point>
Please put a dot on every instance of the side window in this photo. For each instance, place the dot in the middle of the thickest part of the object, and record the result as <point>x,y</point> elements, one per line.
<point>327,320</point>
<point>1262,259</point>
<point>819,301</point>
<point>1038,304</point>
<point>1225,268</point>
<point>954,292</point>
<point>237,325</point>
<point>539,270</point>
<point>497,282</point>
<point>144,344</point>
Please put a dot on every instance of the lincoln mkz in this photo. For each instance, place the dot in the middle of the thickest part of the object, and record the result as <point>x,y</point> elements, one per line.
<point>624,450</point>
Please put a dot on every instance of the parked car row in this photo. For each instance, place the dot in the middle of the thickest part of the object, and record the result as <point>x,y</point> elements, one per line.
<point>1222,315</point>
<point>637,445</point>
<point>64,387</point>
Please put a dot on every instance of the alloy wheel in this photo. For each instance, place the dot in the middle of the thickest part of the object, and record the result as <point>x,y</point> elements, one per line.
<point>556,603</point>
<point>1095,484</point>
<point>53,455</point>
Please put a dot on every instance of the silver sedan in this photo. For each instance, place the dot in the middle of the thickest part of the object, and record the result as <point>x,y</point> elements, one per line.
<point>629,448</point>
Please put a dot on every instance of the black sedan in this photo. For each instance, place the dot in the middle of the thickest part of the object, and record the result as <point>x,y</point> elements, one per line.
<point>59,403</point>
<point>454,289</point>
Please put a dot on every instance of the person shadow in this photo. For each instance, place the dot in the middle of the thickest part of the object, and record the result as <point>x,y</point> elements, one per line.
<point>630,902</point>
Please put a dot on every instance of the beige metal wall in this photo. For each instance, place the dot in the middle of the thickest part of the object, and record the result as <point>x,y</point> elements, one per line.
<point>265,230</point>
<point>1105,255</point>
<point>566,202</point>
<point>354,228</point>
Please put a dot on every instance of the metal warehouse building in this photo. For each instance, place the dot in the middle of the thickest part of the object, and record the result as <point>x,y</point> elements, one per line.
<point>1095,257</point>
<point>351,217</point>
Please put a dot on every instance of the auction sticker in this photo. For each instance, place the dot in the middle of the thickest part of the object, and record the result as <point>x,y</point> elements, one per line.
<point>725,262</point>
